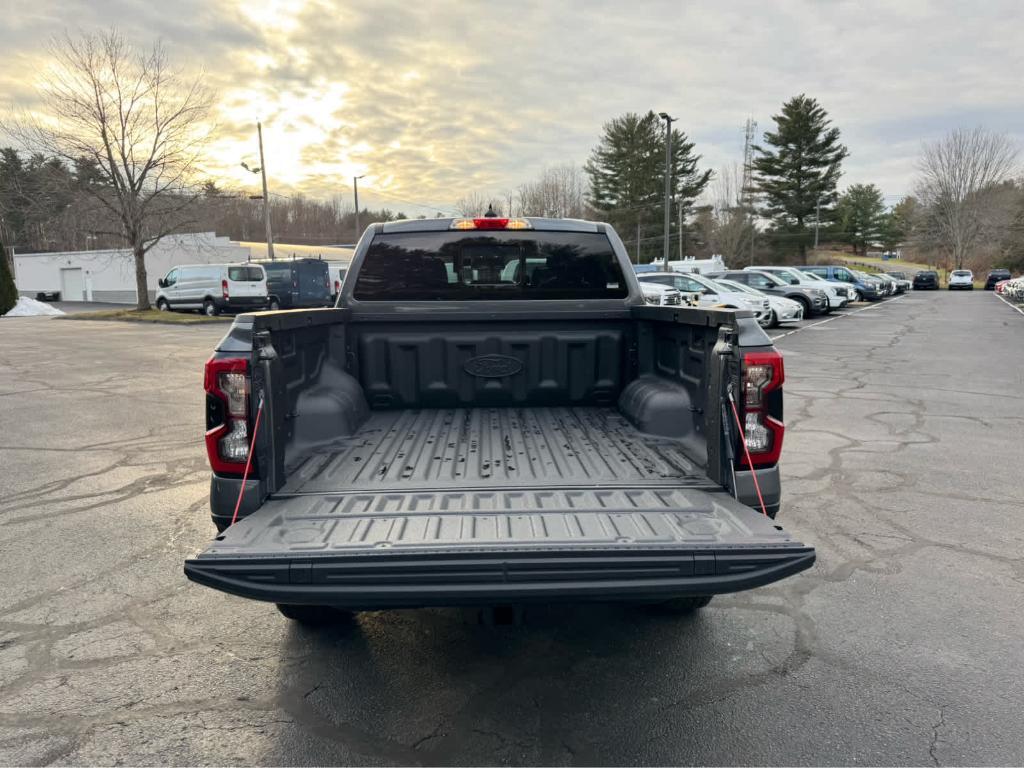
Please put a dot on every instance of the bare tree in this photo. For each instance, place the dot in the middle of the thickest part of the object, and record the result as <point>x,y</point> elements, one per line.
<point>139,120</point>
<point>559,192</point>
<point>477,204</point>
<point>958,175</point>
<point>733,220</point>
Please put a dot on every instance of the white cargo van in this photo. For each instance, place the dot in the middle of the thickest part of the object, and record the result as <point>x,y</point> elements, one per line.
<point>213,288</point>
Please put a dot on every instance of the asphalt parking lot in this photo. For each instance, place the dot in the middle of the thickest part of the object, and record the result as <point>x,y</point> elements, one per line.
<point>902,646</point>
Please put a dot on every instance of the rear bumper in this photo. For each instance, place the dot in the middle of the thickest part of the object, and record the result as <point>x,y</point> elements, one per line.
<point>243,302</point>
<point>488,577</point>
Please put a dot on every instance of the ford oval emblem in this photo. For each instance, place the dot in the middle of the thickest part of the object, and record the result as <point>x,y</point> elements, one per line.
<point>492,366</point>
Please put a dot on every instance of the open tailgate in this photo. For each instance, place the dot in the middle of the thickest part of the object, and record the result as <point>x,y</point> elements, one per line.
<point>365,550</point>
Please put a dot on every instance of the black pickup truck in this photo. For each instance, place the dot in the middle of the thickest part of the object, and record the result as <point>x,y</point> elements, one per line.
<point>491,415</point>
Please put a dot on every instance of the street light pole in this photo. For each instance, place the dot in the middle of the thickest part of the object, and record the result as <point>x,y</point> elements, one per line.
<point>266,195</point>
<point>668,184</point>
<point>355,192</point>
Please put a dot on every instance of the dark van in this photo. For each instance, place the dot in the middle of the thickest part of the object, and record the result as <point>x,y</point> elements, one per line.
<point>295,283</point>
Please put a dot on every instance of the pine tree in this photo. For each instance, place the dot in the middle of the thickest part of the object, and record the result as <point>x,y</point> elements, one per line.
<point>861,215</point>
<point>8,291</point>
<point>799,169</point>
<point>627,176</point>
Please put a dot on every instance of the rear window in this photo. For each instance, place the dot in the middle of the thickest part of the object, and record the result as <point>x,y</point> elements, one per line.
<point>245,274</point>
<point>467,266</point>
<point>961,273</point>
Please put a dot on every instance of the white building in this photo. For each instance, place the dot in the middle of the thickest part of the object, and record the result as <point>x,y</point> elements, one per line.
<point>109,275</point>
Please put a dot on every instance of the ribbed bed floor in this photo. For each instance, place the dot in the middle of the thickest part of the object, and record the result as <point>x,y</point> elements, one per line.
<point>436,449</point>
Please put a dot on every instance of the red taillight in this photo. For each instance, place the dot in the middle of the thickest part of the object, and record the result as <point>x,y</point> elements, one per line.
<point>763,374</point>
<point>224,288</point>
<point>227,382</point>
<point>337,286</point>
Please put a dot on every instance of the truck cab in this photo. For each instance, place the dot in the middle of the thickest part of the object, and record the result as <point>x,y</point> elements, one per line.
<point>493,415</point>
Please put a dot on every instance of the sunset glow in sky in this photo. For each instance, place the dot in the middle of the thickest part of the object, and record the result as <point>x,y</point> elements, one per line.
<point>435,100</point>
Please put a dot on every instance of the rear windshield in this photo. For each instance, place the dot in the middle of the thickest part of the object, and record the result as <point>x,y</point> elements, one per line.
<point>245,274</point>
<point>961,273</point>
<point>426,266</point>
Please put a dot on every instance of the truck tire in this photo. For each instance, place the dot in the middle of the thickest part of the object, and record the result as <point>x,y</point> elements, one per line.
<point>162,305</point>
<point>274,305</point>
<point>210,308</point>
<point>312,615</point>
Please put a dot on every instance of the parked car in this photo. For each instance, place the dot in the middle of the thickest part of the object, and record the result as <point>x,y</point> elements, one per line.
<point>839,294</point>
<point>892,285</point>
<point>995,276</point>
<point>782,310</point>
<point>297,283</point>
<point>213,288</point>
<point>813,300</point>
<point>864,288</point>
<point>961,280</point>
<point>661,295</point>
<point>1014,290</point>
<point>926,280</point>
<point>336,273</point>
<point>709,294</point>
<point>887,287</point>
<point>903,283</point>
<point>476,441</point>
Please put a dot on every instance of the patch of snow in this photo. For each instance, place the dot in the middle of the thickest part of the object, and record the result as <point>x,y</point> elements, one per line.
<point>27,307</point>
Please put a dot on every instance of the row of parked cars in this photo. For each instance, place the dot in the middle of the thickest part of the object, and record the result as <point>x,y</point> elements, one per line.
<point>267,284</point>
<point>777,295</point>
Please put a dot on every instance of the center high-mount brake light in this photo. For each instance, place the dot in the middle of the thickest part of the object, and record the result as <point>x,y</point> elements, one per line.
<point>490,222</point>
<point>227,385</point>
<point>763,375</point>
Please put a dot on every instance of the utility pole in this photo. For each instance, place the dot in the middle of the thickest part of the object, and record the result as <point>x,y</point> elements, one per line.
<point>747,193</point>
<point>355,191</point>
<point>266,195</point>
<point>668,185</point>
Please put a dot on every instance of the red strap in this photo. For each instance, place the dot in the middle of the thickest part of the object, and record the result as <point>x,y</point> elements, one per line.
<point>746,451</point>
<point>248,461</point>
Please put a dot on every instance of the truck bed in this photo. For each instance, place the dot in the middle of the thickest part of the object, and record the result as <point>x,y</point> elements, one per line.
<point>503,449</point>
<point>456,506</point>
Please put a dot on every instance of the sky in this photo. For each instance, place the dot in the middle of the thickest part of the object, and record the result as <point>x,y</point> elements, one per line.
<point>431,101</point>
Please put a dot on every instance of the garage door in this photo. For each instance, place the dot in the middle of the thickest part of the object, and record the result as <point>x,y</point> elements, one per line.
<point>72,286</point>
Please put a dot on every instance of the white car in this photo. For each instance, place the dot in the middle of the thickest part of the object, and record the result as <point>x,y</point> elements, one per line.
<point>961,279</point>
<point>661,295</point>
<point>839,294</point>
<point>783,310</point>
<point>710,294</point>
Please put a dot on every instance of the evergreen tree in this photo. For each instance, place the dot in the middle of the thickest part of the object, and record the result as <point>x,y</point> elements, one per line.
<point>8,291</point>
<point>627,177</point>
<point>861,215</point>
<point>899,223</point>
<point>799,169</point>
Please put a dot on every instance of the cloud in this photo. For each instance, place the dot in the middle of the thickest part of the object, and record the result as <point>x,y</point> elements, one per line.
<point>435,100</point>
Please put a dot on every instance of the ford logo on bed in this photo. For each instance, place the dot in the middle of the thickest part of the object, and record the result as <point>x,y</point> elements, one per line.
<point>492,366</point>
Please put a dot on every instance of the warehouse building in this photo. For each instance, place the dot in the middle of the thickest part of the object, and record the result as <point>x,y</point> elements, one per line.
<point>109,275</point>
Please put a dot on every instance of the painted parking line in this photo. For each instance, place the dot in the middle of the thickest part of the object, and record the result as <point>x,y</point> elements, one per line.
<point>838,317</point>
<point>1010,304</point>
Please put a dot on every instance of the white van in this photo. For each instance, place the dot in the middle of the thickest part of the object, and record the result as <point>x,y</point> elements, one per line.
<point>213,288</point>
